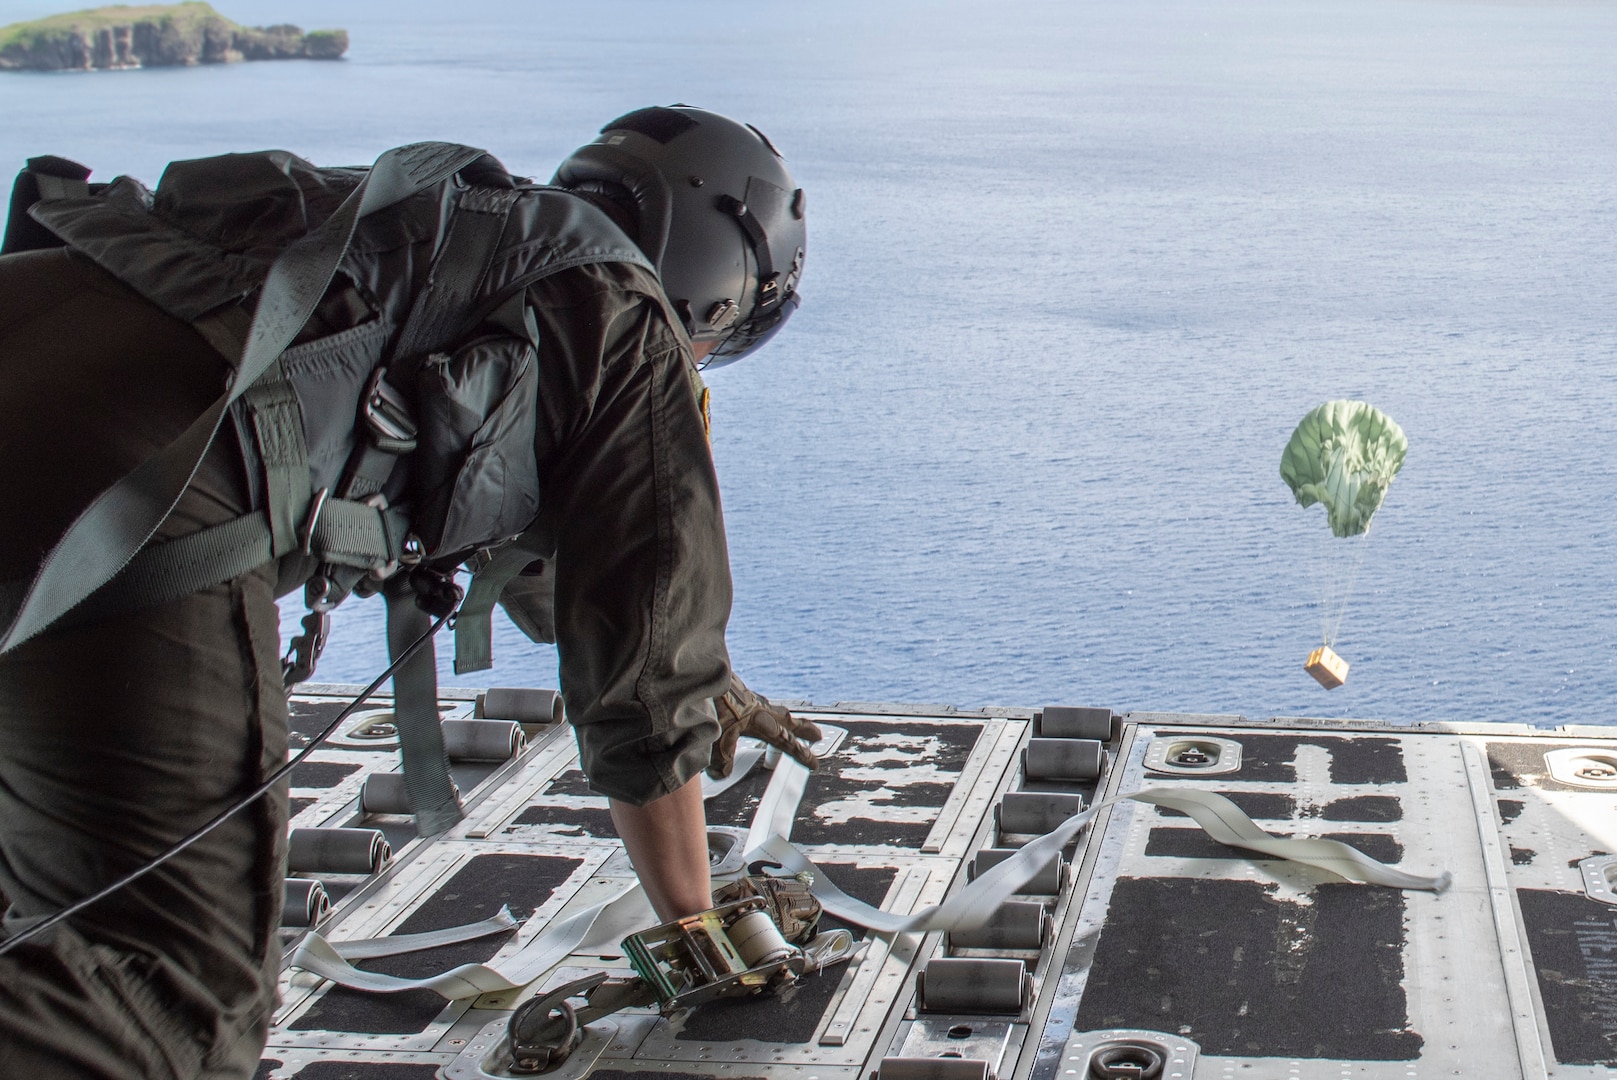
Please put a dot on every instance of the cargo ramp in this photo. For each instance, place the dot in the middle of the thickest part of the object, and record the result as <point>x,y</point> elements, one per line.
<point>1148,950</point>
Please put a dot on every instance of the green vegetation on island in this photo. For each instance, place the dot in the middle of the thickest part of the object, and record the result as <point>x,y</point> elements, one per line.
<point>155,35</point>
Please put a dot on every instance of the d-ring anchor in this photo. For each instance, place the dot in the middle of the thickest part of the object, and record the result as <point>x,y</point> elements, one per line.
<point>544,1031</point>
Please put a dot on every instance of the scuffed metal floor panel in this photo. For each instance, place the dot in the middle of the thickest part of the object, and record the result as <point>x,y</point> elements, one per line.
<point>1231,965</point>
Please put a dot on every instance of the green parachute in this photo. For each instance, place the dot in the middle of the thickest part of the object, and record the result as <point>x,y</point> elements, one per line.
<point>1344,454</point>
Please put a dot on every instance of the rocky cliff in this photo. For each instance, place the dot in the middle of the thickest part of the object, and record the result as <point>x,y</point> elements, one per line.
<point>159,35</point>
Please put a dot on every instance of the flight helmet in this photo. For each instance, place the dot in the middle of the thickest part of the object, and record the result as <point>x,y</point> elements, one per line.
<point>712,206</point>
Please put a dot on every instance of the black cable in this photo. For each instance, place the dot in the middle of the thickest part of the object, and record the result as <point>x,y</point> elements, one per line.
<point>276,777</point>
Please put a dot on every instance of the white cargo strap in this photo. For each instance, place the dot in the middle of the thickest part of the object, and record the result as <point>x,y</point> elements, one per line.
<point>745,760</point>
<point>330,960</point>
<point>370,948</point>
<point>320,957</point>
<point>972,906</point>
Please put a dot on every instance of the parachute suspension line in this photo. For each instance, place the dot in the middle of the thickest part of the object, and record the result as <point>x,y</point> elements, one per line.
<point>1325,573</point>
<point>1336,607</point>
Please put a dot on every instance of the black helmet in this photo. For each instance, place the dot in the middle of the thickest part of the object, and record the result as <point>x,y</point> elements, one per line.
<point>714,210</point>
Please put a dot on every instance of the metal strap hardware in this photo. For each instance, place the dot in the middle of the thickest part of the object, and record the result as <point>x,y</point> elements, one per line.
<point>304,652</point>
<point>306,534</point>
<point>387,416</point>
<point>544,1031</point>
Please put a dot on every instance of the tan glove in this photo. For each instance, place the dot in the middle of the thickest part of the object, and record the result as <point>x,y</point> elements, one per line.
<point>742,712</point>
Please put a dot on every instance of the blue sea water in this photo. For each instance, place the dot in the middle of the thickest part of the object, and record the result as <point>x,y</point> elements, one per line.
<point>1076,270</point>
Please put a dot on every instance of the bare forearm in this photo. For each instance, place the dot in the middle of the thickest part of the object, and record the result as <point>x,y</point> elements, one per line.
<point>667,842</point>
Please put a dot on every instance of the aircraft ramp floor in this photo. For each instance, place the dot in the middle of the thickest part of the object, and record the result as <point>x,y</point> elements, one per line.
<point>1156,949</point>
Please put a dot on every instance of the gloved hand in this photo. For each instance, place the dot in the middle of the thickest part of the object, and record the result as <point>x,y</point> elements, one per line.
<point>742,712</point>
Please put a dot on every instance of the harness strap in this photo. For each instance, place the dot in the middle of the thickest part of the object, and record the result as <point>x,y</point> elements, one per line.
<point>457,273</point>
<point>277,426</point>
<point>415,711</point>
<point>108,533</point>
<point>164,572</point>
<point>474,628</point>
<point>356,535</point>
<point>46,177</point>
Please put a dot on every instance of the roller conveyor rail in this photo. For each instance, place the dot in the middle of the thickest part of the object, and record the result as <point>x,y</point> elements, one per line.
<point>1145,949</point>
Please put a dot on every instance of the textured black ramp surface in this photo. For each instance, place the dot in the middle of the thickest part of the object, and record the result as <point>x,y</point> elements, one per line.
<point>579,820</point>
<point>477,891</point>
<point>734,807</point>
<point>794,1017</point>
<point>571,782</point>
<point>265,1067</point>
<point>662,1074</point>
<point>1246,974</point>
<point>311,717</point>
<point>1574,944</point>
<point>1195,844</point>
<point>1259,805</point>
<point>365,1070</point>
<point>1515,765</point>
<point>883,787</point>
<point>872,791</point>
<point>322,774</point>
<point>1364,808</point>
<point>1359,759</point>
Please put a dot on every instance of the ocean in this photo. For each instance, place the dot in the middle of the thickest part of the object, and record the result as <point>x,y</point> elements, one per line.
<point>1075,271</point>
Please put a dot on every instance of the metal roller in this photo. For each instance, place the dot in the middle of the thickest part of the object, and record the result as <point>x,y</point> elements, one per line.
<point>337,851</point>
<point>1063,759</point>
<point>933,1068</point>
<point>523,704</point>
<point>305,902</point>
<point>483,740</point>
<point>385,793</point>
<point>1035,812</point>
<point>958,985</point>
<point>1048,882</point>
<point>1017,924</point>
<point>1068,722</point>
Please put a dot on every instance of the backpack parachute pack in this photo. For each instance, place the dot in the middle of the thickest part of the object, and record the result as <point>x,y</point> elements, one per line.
<point>383,390</point>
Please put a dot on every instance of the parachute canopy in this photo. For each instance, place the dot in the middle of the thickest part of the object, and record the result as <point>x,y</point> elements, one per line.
<point>1344,454</point>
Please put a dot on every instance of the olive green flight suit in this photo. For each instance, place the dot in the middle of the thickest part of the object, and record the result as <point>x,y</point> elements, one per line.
<point>118,737</point>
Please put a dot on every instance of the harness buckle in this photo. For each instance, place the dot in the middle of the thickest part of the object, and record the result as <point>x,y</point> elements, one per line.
<point>387,416</point>
<point>306,535</point>
<point>299,662</point>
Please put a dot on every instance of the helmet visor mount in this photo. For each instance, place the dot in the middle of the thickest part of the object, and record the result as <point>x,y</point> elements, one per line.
<point>753,334</point>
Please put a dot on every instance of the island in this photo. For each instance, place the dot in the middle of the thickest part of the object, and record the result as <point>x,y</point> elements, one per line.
<point>155,35</point>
